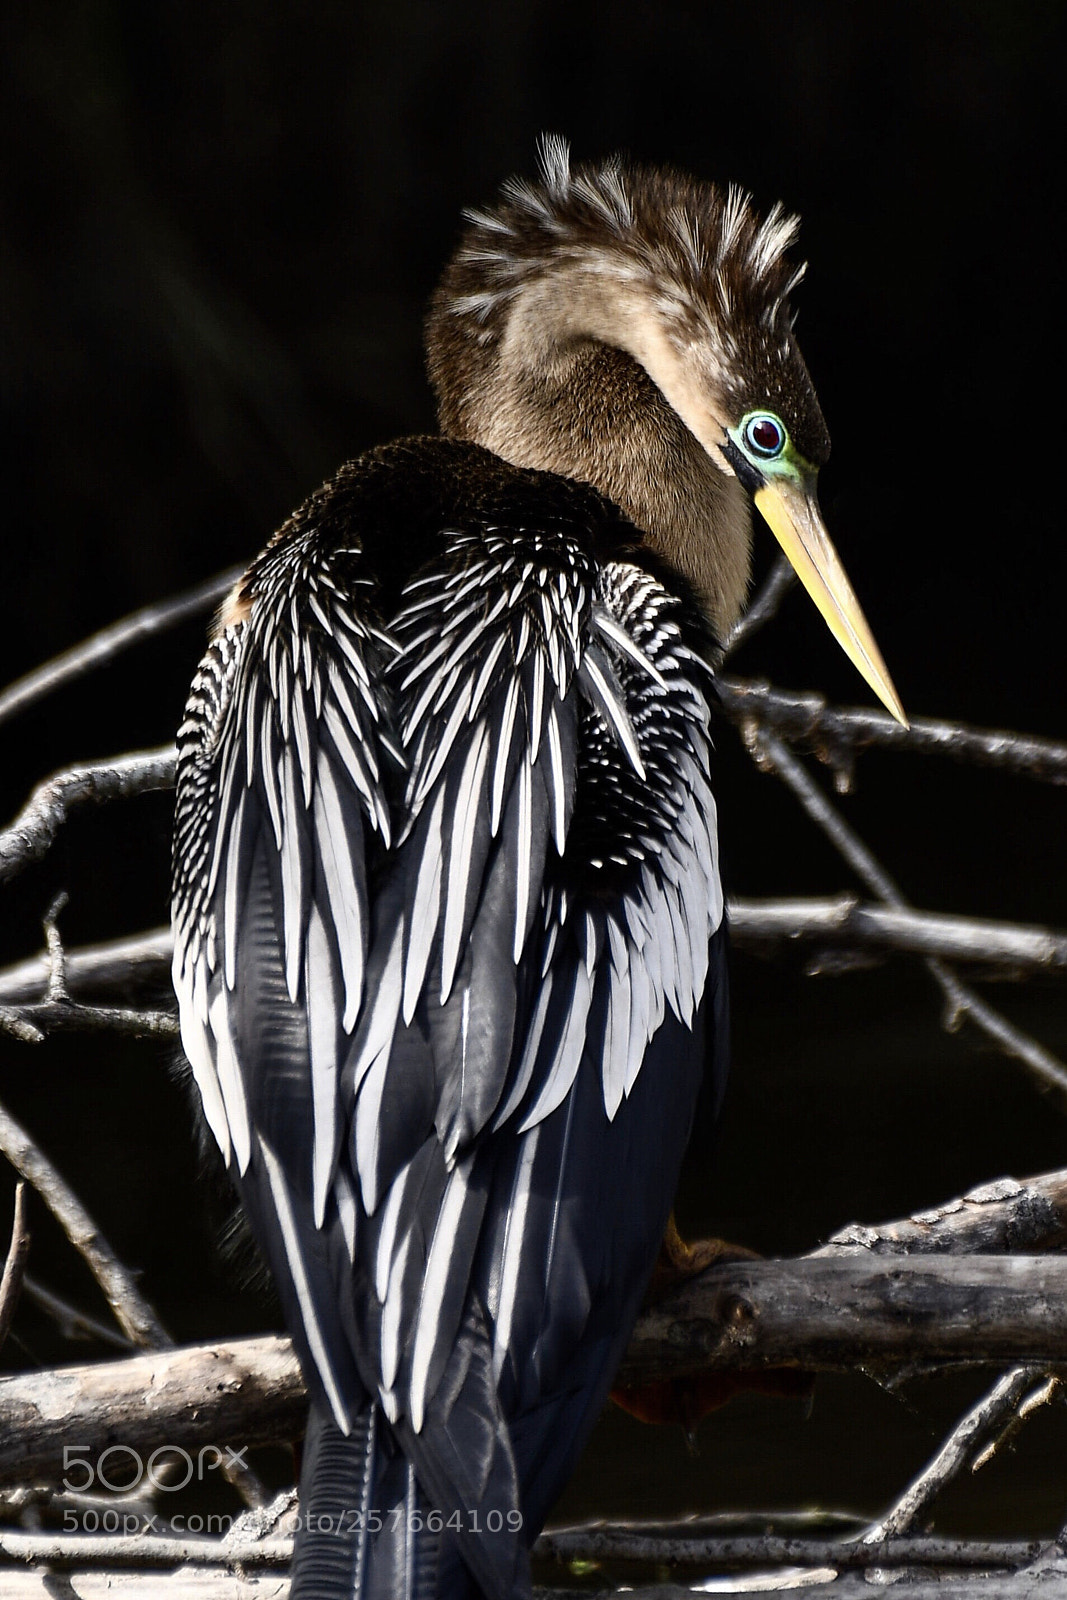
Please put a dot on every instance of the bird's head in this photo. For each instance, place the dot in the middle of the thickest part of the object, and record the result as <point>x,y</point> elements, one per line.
<point>631,327</point>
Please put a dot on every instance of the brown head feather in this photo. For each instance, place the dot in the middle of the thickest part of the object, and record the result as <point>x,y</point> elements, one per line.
<point>551,326</point>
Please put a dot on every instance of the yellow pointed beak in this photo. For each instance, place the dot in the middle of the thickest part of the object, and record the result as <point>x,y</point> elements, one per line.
<point>793,517</point>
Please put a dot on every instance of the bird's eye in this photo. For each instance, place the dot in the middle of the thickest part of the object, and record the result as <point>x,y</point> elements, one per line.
<point>764,435</point>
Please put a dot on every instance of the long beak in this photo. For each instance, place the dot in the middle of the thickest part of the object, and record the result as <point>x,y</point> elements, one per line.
<point>793,517</point>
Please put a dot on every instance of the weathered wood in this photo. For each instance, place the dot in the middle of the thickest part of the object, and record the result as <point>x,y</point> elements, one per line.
<point>1010,1214</point>
<point>220,1584</point>
<point>834,1313</point>
<point>245,1392</point>
<point>821,1313</point>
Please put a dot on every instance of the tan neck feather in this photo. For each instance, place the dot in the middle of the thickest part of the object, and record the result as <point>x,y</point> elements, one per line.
<point>586,383</point>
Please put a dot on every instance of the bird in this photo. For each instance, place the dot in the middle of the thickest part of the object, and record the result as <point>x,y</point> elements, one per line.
<point>450,945</point>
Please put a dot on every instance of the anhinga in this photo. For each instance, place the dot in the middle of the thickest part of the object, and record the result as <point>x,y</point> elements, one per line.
<point>449,923</point>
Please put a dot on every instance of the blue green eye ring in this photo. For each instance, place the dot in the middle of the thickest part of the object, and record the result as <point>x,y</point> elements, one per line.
<point>764,435</point>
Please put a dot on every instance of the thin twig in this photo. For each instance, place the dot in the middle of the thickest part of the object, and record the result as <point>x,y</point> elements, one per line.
<point>35,828</point>
<point>111,641</point>
<point>15,1265</point>
<point>837,732</point>
<point>962,1446</point>
<point>116,964</point>
<point>73,1323</point>
<point>776,586</point>
<point>57,959</point>
<point>769,750</point>
<point>132,1312</point>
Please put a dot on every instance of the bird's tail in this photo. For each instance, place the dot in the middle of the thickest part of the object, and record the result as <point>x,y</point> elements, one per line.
<point>363,1533</point>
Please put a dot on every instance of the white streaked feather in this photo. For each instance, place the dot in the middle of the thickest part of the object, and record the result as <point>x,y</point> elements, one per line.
<point>424,909</point>
<point>522,871</point>
<point>512,1254</point>
<point>341,872</point>
<point>321,1004</point>
<point>383,1258</point>
<point>503,751</point>
<point>611,709</point>
<point>196,1043</point>
<point>230,1081</point>
<point>298,1271</point>
<point>537,702</point>
<point>524,1071</point>
<point>380,1022</point>
<point>293,886</point>
<point>346,1211</point>
<point>390,1324</point>
<point>558,782</point>
<point>569,1050</point>
<point>434,1286</point>
<point>461,843</point>
<point>232,887</point>
<point>607,625</point>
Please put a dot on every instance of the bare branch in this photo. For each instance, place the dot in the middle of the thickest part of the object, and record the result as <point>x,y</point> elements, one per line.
<point>966,1441</point>
<point>242,1392</point>
<point>35,1022</point>
<point>117,964</point>
<point>836,733</point>
<point>768,750</point>
<point>134,1315</point>
<point>676,1543</point>
<point>111,641</point>
<point>35,828</point>
<point>73,1323</point>
<point>820,1313</point>
<point>15,1265</point>
<point>834,922</point>
<point>132,1312</point>
<point>842,920</point>
<point>776,586</point>
<point>591,1542</point>
<point>1006,1215</point>
<point>834,1314</point>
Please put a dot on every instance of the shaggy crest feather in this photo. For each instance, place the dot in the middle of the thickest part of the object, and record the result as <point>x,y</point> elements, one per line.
<point>709,245</point>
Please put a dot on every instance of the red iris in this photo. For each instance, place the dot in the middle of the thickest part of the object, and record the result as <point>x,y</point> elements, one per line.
<point>765,435</point>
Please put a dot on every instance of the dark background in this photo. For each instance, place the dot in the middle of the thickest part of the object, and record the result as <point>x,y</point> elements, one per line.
<point>221,226</point>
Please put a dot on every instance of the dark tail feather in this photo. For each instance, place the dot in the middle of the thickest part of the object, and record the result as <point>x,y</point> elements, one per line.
<point>362,1519</point>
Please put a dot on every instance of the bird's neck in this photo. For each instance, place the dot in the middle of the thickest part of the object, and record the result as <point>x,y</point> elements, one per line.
<point>554,389</point>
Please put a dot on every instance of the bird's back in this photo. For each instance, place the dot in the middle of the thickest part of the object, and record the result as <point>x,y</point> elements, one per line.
<point>446,884</point>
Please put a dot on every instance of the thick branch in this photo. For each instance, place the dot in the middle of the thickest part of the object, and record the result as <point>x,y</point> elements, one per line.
<point>1006,1215</point>
<point>835,1314</point>
<point>837,732</point>
<point>245,1392</point>
<point>33,1023</point>
<point>816,1314</point>
<point>111,641</point>
<point>35,828</point>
